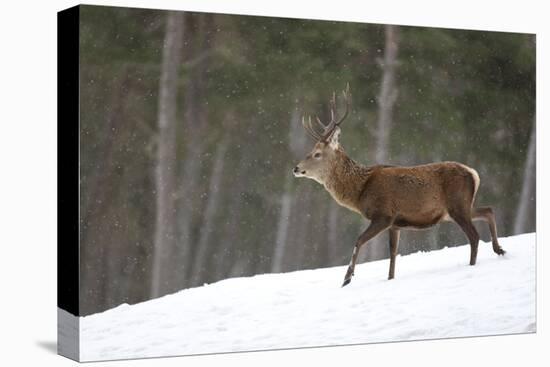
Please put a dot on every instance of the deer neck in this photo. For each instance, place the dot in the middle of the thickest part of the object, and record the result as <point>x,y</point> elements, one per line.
<point>346,180</point>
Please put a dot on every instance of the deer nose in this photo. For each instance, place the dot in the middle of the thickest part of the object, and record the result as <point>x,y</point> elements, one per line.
<point>296,169</point>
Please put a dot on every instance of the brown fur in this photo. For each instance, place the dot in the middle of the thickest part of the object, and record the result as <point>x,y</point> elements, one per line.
<point>395,198</point>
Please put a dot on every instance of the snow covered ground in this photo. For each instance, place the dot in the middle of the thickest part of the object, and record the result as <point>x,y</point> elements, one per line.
<point>434,295</point>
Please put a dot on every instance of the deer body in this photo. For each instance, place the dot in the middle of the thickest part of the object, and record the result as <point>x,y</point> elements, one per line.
<point>394,197</point>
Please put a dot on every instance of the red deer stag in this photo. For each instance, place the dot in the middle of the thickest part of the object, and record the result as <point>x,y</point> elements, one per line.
<point>393,197</point>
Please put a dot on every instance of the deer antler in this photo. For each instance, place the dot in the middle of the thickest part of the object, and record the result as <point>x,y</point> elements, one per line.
<point>329,128</point>
<point>309,129</point>
<point>333,123</point>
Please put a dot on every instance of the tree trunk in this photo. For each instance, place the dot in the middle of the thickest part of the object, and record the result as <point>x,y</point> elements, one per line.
<point>388,95</point>
<point>221,265</point>
<point>302,235</point>
<point>282,229</point>
<point>333,234</point>
<point>165,170</point>
<point>195,127</point>
<point>527,199</point>
<point>96,200</point>
<point>296,146</point>
<point>378,247</point>
<point>204,247</point>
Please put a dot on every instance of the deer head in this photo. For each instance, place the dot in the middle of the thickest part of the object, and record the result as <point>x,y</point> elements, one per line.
<point>318,162</point>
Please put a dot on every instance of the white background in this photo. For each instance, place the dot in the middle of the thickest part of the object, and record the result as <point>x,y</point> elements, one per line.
<point>28,181</point>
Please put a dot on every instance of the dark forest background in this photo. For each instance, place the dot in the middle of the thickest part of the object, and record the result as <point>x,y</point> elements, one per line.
<point>189,130</point>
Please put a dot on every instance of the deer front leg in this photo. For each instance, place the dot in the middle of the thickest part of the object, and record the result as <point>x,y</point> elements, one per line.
<point>376,226</point>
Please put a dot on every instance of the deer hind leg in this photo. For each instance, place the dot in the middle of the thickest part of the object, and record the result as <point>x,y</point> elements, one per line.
<point>394,245</point>
<point>464,220</point>
<point>376,226</point>
<point>486,214</point>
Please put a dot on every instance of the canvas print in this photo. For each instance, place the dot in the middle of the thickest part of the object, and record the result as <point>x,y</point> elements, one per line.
<point>252,183</point>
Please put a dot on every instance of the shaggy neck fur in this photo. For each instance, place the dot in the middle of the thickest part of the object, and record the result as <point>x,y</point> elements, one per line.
<point>346,180</point>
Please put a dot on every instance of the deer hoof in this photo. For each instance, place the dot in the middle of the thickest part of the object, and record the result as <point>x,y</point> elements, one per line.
<point>346,282</point>
<point>500,251</point>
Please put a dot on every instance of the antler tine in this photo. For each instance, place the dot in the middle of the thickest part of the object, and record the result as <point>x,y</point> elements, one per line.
<point>308,129</point>
<point>313,129</point>
<point>321,123</point>
<point>332,106</point>
<point>304,124</point>
<point>328,129</point>
<point>347,99</point>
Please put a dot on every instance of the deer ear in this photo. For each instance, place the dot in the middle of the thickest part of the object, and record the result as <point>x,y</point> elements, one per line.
<point>334,139</point>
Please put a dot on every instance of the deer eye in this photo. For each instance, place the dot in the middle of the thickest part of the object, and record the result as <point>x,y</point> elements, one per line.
<point>317,155</point>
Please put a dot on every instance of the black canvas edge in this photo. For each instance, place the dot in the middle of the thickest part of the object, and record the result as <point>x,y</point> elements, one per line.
<point>68,127</point>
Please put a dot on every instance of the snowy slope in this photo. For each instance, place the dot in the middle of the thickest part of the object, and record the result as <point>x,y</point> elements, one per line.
<point>434,295</point>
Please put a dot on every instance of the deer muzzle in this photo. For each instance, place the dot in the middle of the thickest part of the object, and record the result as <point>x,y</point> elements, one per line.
<point>298,172</point>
